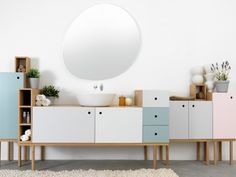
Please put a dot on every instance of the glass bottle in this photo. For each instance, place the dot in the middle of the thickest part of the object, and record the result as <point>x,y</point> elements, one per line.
<point>28,117</point>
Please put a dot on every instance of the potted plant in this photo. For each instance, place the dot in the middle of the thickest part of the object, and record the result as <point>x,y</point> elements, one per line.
<point>33,76</point>
<point>50,92</point>
<point>222,75</point>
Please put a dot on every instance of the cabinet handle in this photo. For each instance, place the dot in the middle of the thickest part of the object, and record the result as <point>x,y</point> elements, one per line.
<point>18,77</point>
<point>89,112</point>
<point>155,98</point>
<point>155,133</point>
<point>100,112</point>
<point>155,116</point>
<point>183,105</point>
<point>193,105</point>
<point>231,97</point>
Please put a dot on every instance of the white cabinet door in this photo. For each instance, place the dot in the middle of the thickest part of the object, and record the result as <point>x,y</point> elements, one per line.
<point>118,125</point>
<point>178,120</point>
<point>63,125</point>
<point>200,120</point>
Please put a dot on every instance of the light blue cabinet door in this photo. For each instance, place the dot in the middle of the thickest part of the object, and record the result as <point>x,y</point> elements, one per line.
<point>10,83</point>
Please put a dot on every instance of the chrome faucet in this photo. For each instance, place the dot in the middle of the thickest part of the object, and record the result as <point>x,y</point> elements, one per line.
<point>100,87</point>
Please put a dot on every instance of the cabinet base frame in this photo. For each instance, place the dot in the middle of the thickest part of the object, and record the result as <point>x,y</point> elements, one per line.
<point>10,149</point>
<point>43,145</point>
<point>217,148</point>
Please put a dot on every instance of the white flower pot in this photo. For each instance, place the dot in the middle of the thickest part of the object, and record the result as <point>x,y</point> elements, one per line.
<point>34,83</point>
<point>52,99</point>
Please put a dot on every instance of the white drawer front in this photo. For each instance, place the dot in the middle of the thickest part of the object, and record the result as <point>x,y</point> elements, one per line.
<point>153,98</point>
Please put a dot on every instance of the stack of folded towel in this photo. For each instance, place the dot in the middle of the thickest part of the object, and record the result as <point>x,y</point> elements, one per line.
<point>26,136</point>
<point>41,100</point>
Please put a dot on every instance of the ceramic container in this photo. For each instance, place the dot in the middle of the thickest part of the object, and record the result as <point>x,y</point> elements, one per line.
<point>197,79</point>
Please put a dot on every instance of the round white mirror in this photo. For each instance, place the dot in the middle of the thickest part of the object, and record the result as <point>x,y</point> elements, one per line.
<point>101,43</point>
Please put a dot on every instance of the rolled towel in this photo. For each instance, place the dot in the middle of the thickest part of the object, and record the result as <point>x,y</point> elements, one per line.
<point>40,97</point>
<point>46,102</point>
<point>28,132</point>
<point>38,103</point>
<point>24,138</point>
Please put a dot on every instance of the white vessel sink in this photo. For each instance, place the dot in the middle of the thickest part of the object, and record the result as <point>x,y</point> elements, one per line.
<point>96,99</point>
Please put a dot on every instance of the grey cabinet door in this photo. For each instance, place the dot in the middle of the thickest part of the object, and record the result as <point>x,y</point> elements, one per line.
<point>200,120</point>
<point>10,83</point>
<point>178,120</point>
<point>62,124</point>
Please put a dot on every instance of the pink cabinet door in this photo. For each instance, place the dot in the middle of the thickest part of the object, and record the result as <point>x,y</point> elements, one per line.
<point>224,115</point>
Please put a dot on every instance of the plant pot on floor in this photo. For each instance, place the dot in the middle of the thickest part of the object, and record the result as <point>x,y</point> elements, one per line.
<point>34,83</point>
<point>222,86</point>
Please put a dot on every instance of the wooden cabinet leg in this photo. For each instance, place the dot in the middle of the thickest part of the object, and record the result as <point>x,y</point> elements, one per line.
<point>167,154</point>
<point>215,152</point>
<point>155,156</point>
<point>220,150</point>
<point>43,153</point>
<point>19,155</point>
<point>207,153</point>
<point>10,151</point>
<point>33,157</point>
<point>231,152</point>
<point>161,152</point>
<point>198,150</point>
<point>204,151</point>
<point>26,155</point>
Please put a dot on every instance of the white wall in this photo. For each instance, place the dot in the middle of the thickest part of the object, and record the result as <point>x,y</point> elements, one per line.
<point>176,35</point>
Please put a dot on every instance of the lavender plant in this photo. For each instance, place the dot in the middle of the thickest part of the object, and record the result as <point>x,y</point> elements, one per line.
<point>221,71</point>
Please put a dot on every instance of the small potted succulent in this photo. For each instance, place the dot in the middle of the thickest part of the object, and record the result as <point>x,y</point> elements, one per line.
<point>33,76</point>
<point>50,92</point>
<point>222,76</point>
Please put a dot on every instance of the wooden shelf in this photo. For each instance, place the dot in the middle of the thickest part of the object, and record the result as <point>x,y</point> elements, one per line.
<point>23,62</point>
<point>25,142</point>
<point>24,124</point>
<point>23,106</point>
<point>27,97</point>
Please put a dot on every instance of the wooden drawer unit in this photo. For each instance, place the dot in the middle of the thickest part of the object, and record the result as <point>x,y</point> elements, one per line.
<point>152,98</point>
<point>155,116</point>
<point>155,134</point>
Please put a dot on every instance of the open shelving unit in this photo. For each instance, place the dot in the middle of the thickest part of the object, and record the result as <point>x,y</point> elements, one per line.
<point>23,61</point>
<point>27,97</point>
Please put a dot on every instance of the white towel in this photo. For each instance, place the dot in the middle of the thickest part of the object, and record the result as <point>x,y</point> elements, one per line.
<point>28,132</point>
<point>46,102</point>
<point>40,97</point>
<point>24,138</point>
<point>38,103</point>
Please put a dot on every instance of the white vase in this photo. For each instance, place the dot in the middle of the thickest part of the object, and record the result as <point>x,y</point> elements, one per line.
<point>34,83</point>
<point>207,68</point>
<point>197,79</point>
<point>210,81</point>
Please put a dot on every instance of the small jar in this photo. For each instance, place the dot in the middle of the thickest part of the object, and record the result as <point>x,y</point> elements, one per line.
<point>121,101</point>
